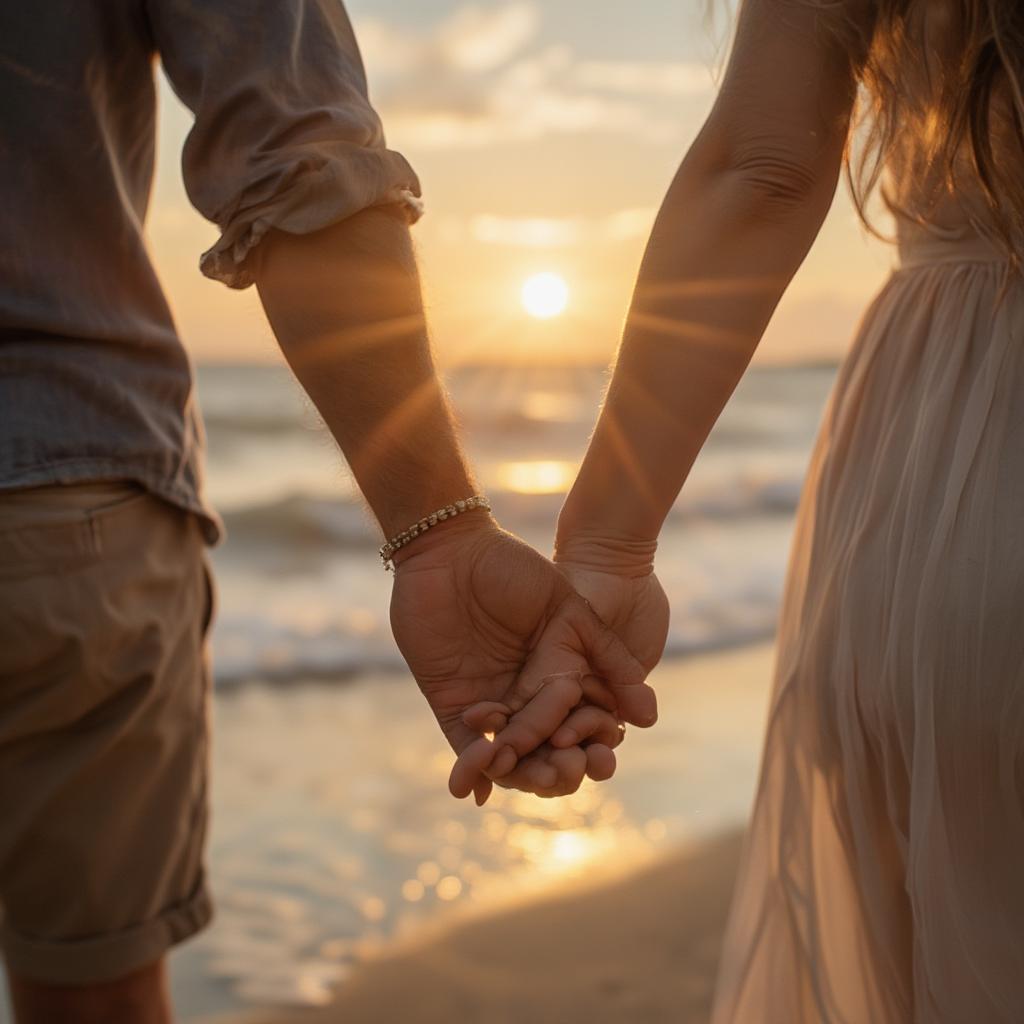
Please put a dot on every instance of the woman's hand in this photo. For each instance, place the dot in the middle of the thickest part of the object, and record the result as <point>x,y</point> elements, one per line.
<point>617,578</point>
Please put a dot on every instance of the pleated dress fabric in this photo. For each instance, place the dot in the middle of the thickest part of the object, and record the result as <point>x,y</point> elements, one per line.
<point>882,879</point>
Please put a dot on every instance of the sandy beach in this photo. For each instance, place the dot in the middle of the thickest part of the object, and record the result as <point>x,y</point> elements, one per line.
<point>606,907</point>
<point>642,949</point>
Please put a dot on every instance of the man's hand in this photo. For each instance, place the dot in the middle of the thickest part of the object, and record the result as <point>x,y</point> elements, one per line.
<point>481,616</point>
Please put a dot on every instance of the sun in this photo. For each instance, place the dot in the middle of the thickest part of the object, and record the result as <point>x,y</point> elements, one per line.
<point>545,295</point>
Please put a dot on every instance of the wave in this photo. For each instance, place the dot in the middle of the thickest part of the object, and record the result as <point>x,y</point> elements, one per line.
<point>303,520</point>
<point>330,621</point>
<point>259,652</point>
<point>261,422</point>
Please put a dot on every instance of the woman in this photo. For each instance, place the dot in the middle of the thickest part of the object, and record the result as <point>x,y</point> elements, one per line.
<point>882,876</point>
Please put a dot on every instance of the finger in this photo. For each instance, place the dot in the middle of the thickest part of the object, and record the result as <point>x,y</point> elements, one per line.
<point>548,772</point>
<point>543,668</point>
<point>482,790</point>
<point>596,691</point>
<point>534,724</point>
<point>588,723</point>
<point>609,658</point>
<point>533,774</point>
<point>469,766</point>
<point>487,716</point>
<point>601,762</point>
<point>504,761</point>
<point>571,766</point>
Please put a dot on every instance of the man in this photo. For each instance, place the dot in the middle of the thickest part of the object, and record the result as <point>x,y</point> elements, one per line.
<point>103,582</point>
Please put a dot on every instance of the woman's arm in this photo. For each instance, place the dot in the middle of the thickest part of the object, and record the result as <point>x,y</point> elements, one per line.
<point>736,224</point>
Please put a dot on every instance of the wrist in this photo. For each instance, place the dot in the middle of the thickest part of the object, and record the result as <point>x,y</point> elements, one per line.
<point>603,550</point>
<point>402,488</point>
<point>454,531</point>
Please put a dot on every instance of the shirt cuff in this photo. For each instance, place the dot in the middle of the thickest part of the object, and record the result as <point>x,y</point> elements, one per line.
<point>306,194</point>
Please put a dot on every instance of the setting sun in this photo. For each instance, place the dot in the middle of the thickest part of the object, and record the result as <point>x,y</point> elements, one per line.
<point>545,295</point>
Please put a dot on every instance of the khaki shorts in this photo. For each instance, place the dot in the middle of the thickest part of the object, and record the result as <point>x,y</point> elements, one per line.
<point>105,601</point>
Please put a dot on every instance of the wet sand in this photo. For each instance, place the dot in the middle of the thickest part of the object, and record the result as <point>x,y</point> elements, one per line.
<point>642,950</point>
<point>347,878</point>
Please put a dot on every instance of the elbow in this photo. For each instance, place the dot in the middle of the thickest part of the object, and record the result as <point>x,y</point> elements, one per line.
<point>771,185</point>
<point>777,183</point>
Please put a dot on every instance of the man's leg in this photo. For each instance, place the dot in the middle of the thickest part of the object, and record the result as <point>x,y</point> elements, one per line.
<point>137,998</point>
<point>103,750</point>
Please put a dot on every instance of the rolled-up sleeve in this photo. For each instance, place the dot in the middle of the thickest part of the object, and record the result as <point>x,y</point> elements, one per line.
<point>284,134</point>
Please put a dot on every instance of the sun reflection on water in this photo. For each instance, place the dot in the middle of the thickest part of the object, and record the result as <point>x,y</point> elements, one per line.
<point>413,890</point>
<point>553,406</point>
<point>572,848</point>
<point>449,888</point>
<point>352,855</point>
<point>548,476</point>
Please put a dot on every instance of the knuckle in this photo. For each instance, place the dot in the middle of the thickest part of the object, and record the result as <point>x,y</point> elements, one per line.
<point>521,738</point>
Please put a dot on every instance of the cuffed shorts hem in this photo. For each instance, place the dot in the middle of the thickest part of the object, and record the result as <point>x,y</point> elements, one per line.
<point>104,731</point>
<point>102,958</point>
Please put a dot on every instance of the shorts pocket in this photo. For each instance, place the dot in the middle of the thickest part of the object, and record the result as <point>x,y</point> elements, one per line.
<point>209,596</point>
<point>46,530</point>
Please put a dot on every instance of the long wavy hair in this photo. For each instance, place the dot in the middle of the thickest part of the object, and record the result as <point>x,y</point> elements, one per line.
<point>941,83</point>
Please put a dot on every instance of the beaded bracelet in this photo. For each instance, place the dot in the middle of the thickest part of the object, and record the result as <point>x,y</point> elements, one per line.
<point>399,541</point>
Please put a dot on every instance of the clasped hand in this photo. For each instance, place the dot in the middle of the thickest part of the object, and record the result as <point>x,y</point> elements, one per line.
<point>553,660</point>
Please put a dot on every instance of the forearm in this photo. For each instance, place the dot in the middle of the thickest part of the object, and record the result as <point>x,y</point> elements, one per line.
<point>719,259</point>
<point>346,307</point>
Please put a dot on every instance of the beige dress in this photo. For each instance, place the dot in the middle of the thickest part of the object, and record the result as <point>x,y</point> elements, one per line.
<point>883,873</point>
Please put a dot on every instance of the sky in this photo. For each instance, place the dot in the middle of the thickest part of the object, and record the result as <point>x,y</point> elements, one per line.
<point>545,133</point>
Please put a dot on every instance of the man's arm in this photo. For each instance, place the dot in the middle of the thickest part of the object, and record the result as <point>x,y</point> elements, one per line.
<point>346,307</point>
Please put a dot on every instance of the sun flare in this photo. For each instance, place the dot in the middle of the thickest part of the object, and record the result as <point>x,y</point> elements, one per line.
<point>545,295</point>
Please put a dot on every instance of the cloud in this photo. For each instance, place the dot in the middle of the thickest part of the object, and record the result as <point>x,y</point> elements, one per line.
<point>481,38</point>
<point>651,78</point>
<point>481,77</point>
<point>532,232</point>
<point>551,232</point>
<point>634,222</point>
<point>472,40</point>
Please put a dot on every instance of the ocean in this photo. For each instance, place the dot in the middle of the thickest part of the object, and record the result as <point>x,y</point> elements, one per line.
<point>302,594</point>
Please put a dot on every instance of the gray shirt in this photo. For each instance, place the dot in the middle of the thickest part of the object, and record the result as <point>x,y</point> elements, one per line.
<point>94,382</point>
